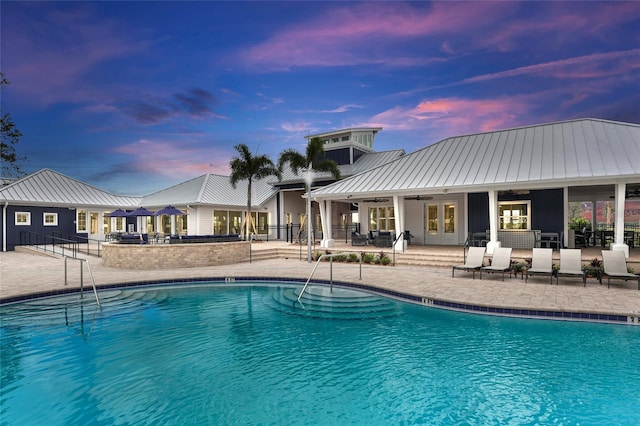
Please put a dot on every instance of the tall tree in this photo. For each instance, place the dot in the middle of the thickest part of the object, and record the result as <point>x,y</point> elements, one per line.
<point>313,160</point>
<point>249,167</point>
<point>9,137</point>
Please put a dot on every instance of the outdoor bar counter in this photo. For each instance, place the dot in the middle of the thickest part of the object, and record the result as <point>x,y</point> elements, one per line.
<point>170,256</point>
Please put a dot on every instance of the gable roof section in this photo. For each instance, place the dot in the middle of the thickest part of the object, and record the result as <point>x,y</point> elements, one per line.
<point>210,189</point>
<point>547,154</point>
<point>47,187</point>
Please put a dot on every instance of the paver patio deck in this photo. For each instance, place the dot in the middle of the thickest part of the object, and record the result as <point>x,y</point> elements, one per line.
<point>25,273</point>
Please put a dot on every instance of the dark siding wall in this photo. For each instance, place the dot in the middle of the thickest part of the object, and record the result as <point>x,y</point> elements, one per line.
<point>66,223</point>
<point>357,154</point>
<point>478,211</point>
<point>340,156</point>
<point>547,210</point>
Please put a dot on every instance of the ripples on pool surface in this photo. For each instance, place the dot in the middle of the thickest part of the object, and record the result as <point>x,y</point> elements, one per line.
<point>244,355</point>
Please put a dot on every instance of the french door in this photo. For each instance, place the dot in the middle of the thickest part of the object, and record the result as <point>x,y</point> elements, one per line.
<point>441,223</point>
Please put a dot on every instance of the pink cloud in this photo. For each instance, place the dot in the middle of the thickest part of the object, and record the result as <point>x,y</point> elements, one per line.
<point>175,159</point>
<point>350,35</point>
<point>588,66</point>
<point>455,116</point>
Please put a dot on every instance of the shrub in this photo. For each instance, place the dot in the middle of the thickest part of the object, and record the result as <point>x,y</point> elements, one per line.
<point>353,257</point>
<point>368,257</point>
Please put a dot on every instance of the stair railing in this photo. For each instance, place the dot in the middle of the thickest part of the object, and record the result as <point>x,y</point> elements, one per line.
<point>324,256</point>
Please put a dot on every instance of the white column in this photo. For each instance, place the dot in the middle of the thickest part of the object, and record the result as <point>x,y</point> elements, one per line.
<point>619,243</point>
<point>493,222</point>
<point>565,214</point>
<point>325,218</point>
<point>398,209</point>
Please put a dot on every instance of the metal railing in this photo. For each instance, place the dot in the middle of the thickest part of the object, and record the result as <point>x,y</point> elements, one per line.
<point>324,256</point>
<point>81,239</point>
<point>393,248</point>
<point>93,281</point>
<point>49,243</point>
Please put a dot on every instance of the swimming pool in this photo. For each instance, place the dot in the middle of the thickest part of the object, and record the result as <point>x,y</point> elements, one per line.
<point>243,354</point>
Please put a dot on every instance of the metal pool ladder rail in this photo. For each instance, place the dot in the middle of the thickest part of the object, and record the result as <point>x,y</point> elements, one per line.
<point>330,256</point>
<point>93,281</point>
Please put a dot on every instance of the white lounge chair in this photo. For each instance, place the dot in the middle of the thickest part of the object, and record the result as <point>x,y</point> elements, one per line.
<point>541,263</point>
<point>614,265</point>
<point>473,262</point>
<point>571,265</point>
<point>500,261</point>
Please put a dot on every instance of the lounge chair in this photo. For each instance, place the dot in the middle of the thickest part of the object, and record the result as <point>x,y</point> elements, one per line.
<point>500,262</point>
<point>614,266</point>
<point>473,262</point>
<point>571,265</point>
<point>541,263</point>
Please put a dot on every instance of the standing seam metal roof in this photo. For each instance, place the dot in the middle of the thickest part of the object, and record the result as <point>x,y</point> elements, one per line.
<point>548,153</point>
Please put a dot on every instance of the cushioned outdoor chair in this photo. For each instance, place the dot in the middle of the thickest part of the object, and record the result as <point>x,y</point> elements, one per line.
<point>541,263</point>
<point>571,265</point>
<point>473,262</point>
<point>614,265</point>
<point>358,239</point>
<point>500,262</point>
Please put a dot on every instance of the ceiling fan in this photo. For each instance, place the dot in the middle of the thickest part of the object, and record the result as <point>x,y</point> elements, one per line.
<point>376,200</point>
<point>630,194</point>
<point>419,197</point>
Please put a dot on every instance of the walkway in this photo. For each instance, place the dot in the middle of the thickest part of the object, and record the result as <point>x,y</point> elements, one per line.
<point>26,273</point>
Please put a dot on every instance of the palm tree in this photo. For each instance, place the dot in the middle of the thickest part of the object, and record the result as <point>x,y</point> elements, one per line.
<point>249,167</point>
<point>313,160</point>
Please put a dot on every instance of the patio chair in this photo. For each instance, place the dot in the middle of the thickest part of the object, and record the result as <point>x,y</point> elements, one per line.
<point>500,262</point>
<point>614,266</point>
<point>473,262</point>
<point>541,263</point>
<point>358,239</point>
<point>571,265</point>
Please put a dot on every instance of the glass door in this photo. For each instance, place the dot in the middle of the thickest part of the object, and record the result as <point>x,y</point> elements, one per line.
<point>441,223</point>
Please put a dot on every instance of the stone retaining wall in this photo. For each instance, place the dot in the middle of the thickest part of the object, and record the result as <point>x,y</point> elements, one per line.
<point>171,256</point>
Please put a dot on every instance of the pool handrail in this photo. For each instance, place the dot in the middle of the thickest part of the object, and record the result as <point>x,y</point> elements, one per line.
<point>330,256</point>
<point>93,281</point>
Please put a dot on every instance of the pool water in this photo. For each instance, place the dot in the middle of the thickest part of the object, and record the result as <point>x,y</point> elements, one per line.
<point>213,354</point>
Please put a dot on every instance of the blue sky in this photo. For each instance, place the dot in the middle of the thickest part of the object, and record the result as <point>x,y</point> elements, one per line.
<point>136,96</point>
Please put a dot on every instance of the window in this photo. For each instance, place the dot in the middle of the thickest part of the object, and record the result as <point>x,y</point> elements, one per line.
<point>50,219</point>
<point>120,222</point>
<point>23,218</point>
<point>81,221</point>
<point>382,219</point>
<point>235,222</point>
<point>514,215</point>
<point>432,219</point>
<point>449,218</point>
<point>345,138</point>
<point>220,222</point>
<point>261,222</point>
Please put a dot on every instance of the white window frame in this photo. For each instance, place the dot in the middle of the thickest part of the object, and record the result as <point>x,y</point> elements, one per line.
<point>53,215</point>
<point>86,219</point>
<point>28,217</point>
<point>527,216</point>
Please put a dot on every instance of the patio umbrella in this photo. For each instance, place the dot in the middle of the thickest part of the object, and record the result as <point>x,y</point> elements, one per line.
<point>170,211</point>
<point>140,211</point>
<point>118,213</point>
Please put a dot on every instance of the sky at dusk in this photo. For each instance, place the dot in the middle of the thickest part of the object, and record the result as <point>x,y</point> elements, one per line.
<point>136,96</point>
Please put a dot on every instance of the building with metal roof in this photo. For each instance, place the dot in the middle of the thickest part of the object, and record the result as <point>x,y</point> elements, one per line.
<point>502,184</point>
<point>520,178</point>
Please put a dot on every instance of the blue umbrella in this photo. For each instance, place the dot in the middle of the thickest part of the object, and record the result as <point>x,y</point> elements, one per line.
<point>118,213</point>
<point>140,211</point>
<point>170,211</point>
